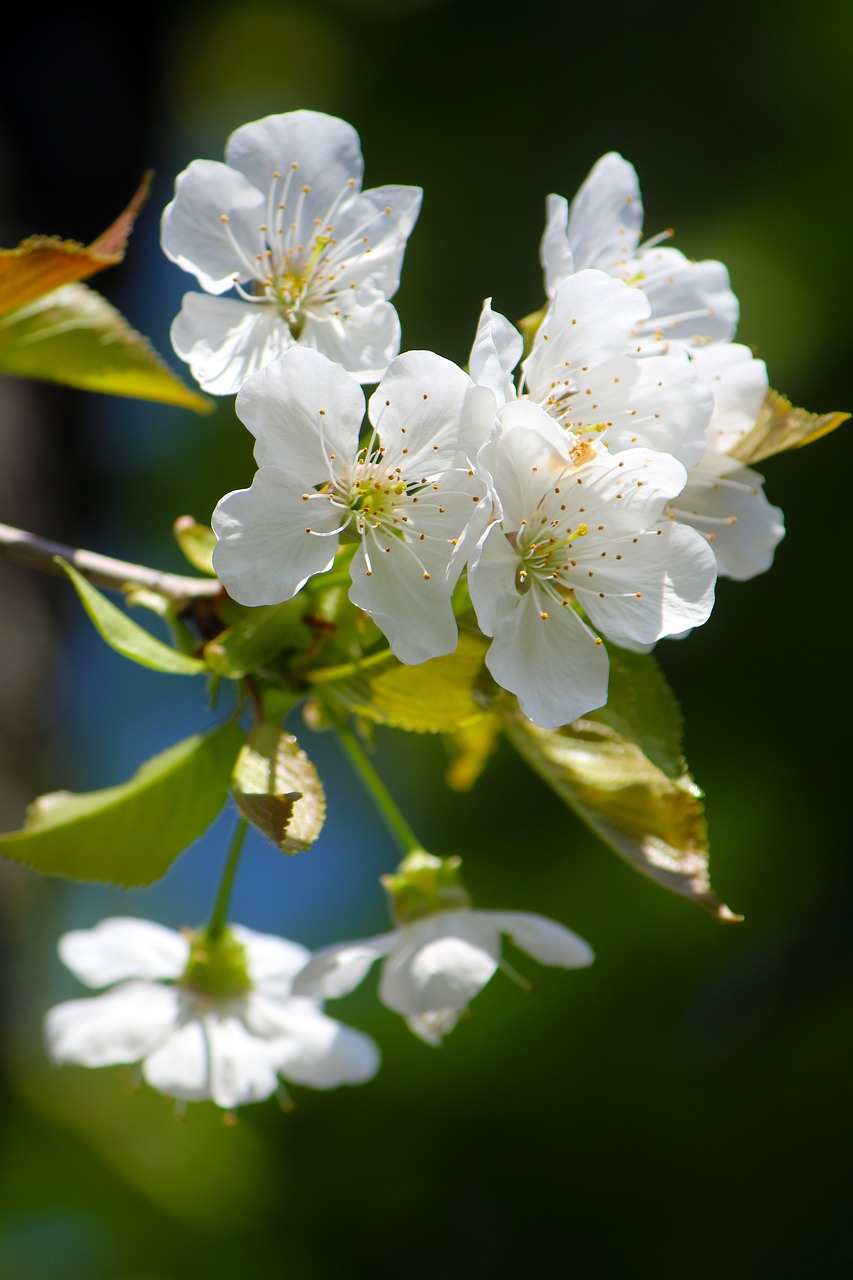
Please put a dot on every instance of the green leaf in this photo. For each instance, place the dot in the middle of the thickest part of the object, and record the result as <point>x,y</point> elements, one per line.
<point>196,542</point>
<point>435,697</point>
<point>260,636</point>
<point>131,834</point>
<point>780,427</point>
<point>651,816</point>
<point>74,336</point>
<point>278,789</point>
<point>470,748</point>
<point>642,707</point>
<point>126,636</point>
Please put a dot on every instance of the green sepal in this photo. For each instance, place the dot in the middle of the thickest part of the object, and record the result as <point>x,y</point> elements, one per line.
<point>218,967</point>
<point>423,885</point>
<point>131,834</point>
<point>75,337</point>
<point>258,639</point>
<point>126,636</point>
<point>780,426</point>
<point>622,771</point>
<point>278,789</point>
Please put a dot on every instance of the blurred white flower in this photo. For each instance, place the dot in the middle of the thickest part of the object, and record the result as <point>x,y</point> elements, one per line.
<point>691,303</point>
<point>409,496</point>
<point>207,1019</point>
<point>312,258</point>
<point>438,958</point>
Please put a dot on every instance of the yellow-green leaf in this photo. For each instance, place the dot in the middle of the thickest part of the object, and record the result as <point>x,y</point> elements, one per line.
<point>131,834</point>
<point>780,426</point>
<point>278,789</point>
<point>259,637</point>
<point>652,820</point>
<point>75,337</point>
<point>470,748</point>
<point>435,697</point>
<point>42,264</point>
<point>126,636</point>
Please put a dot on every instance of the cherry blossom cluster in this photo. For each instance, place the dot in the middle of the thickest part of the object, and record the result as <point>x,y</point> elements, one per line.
<point>579,478</point>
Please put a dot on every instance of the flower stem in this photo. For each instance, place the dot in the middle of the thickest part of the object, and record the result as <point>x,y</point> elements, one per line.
<point>219,915</point>
<point>394,820</point>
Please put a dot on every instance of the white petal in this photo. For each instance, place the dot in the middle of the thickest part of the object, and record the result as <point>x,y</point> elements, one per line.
<point>364,339</point>
<point>264,552</point>
<point>663,585</point>
<point>225,341</point>
<point>337,970</point>
<point>496,351</point>
<point>123,947</point>
<point>606,215</point>
<point>326,150</point>
<point>554,251</point>
<point>726,504</point>
<point>692,302</point>
<point>659,402</point>
<point>193,233</point>
<point>272,962</point>
<point>739,383</point>
<point>377,223</point>
<point>552,664</point>
<point>545,940</point>
<point>323,1053</point>
<point>301,409</point>
<point>213,1056</point>
<point>589,321</point>
<point>425,401</point>
<point>440,962</point>
<point>431,1026</point>
<point>121,1026</point>
<point>414,611</point>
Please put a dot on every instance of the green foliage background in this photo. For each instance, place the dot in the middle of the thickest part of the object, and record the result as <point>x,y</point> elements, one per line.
<point>681,1109</point>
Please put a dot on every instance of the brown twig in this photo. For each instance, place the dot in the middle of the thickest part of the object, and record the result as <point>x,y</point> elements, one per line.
<point>119,575</point>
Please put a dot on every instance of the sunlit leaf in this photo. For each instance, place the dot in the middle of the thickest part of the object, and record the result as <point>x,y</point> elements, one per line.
<point>42,264</point>
<point>651,816</point>
<point>131,834</point>
<point>435,697</point>
<point>75,337</point>
<point>126,636</point>
<point>780,426</point>
<point>470,748</point>
<point>278,789</point>
<point>196,542</point>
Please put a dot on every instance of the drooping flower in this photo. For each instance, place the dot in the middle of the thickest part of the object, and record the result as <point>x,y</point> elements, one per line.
<point>691,303</point>
<point>723,499</point>
<point>409,496</point>
<point>312,258</point>
<point>442,952</point>
<point>208,1019</point>
<point>580,526</point>
<point>580,374</point>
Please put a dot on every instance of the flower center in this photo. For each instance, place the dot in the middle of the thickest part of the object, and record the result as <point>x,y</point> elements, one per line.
<point>217,967</point>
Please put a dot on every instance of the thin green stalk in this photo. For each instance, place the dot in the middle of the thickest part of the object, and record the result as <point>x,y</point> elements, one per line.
<point>219,915</point>
<point>396,823</point>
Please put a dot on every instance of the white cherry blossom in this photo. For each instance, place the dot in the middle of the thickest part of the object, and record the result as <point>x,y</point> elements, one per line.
<point>311,257</point>
<point>194,1044</point>
<point>577,370</point>
<point>409,496</point>
<point>580,526</point>
<point>691,303</point>
<point>723,499</point>
<point>434,965</point>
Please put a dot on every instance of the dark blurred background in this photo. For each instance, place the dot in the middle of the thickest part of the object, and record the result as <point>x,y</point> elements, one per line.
<point>682,1108</point>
